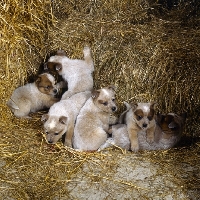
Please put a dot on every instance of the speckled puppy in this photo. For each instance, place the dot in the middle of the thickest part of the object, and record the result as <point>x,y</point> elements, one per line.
<point>77,73</point>
<point>92,123</point>
<point>61,118</point>
<point>140,118</point>
<point>33,97</point>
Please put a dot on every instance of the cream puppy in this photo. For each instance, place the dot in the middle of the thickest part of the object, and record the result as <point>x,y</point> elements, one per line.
<point>33,97</point>
<point>61,118</point>
<point>92,123</point>
<point>140,118</point>
<point>77,73</point>
<point>168,133</point>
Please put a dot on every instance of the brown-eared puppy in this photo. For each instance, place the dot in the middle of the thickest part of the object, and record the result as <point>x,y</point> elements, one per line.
<point>168,132</point>
<point>33,97</point>
<point>171,125</point>
<point>77,73</point>
<point>140,118</point>
<point>61,118</point>
<point>92,123</point>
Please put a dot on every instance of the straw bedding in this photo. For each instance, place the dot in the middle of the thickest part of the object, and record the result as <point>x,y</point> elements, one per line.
<point>150,52</point>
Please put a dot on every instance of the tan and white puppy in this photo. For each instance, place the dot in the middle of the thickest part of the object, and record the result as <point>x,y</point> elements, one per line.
<point>77,73</point>
<point>92,123</point>
<point>33,97</point>
<point>61,118</point>
<point>168,133</point>
<point>140,118</point>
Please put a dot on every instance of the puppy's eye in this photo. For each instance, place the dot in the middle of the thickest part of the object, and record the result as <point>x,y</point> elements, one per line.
<point>47,132</point>
<point>113,99</point>
<point>139,117</point>
<point>105,103</point>
<point>56,133</point>
<point>48,87</point>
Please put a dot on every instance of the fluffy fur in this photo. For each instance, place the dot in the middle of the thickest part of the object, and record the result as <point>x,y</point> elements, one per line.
<point>140,118</point>
<point>33,97</point>
<point>119,138</point>
<point>168,133</point>
<point>61,118</point>
<point>77,73</point>
<point>93,120</point>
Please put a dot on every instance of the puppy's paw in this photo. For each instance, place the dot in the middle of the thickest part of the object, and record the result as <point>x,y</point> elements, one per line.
<point>68,144</point>
<point>150,140</point>
<point>134,147</point>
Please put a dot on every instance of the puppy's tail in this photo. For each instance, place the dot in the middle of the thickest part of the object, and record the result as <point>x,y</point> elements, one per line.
<point>88,57</point>
<point>12,104</point>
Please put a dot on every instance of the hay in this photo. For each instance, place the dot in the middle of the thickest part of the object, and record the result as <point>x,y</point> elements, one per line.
<point>150,53</point>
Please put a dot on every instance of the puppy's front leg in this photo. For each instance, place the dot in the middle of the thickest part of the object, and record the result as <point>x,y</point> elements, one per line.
<point>133,139</point>
<point>69,135</point>
<point>150,135</point>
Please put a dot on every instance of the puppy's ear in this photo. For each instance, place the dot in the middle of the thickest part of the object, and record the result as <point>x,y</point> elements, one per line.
<point>61,53</point>
<point>133,105</point>
<point>44,118</point>
<point>160,117</point>
<point>63,120</point>
<point>38,80</point>
<point>112,87</point>
<point>95,94</point>
<point>58,66</point>
<point>45,66</point>
<point>153,104</point>
<point>128,106</point>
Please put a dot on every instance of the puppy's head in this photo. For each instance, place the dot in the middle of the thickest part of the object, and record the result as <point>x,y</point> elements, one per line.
<point>144,114</point>
<point>104,99</point>
<point>55,127</point>
<point>46,84</point>
<point>171,123</point>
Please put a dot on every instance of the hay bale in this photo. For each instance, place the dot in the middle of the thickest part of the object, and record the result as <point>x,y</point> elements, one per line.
<point>150,53</point>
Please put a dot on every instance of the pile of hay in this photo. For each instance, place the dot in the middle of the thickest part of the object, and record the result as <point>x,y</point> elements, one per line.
<point>148,51</point>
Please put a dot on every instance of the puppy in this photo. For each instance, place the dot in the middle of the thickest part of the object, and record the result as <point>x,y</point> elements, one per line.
<point>77,73</point>
<point>33,97</point>
<point>61,118</point>
<point>168,133</point>
<point>140,118</point>
<point>171,125</point>
<point>92,123</point>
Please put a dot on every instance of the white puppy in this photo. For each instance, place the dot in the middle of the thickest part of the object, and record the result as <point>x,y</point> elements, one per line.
<point>77,73</point>
<point>33,97</point>
<point>61,118</point>
<point>92,123</point>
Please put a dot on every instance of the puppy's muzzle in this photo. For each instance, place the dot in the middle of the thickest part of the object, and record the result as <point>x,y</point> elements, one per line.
<point>50,141</point>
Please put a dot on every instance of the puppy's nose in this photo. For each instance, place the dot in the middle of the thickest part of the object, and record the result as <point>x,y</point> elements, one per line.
<point>144,125</point>
<point>50,141</point>
<point>113,109</point>
<point>55,91</point>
